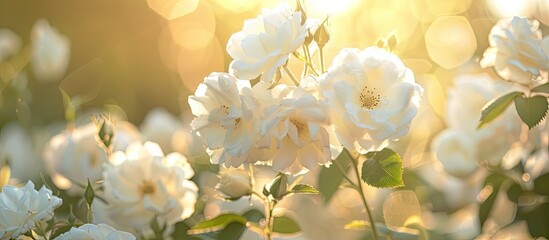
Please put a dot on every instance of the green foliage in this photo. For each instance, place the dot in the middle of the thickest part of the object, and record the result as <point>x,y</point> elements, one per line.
<point>494,182</point>
<point>537,219</point>
<point>494,108</point>
<point>286,225</point>
<point>413,232</point>
<point>383,169</point>
<point>180,231</point>
<point>89,194</point>
<point>279,186</point>
<point>330,178</point>
<point>216,224</point>
<point>544,88</point>
<point>531,109</point>
<point>541,185</point>
<point>304,189</point>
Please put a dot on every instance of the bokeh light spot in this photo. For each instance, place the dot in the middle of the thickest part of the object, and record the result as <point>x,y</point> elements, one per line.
<point>450,41</point>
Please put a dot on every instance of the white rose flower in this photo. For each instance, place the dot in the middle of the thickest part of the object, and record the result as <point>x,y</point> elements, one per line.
<point>9,43</point>
<point>147,184</point>
<point>50,52</point>
<point>265,43</point>
<point>457,151</point>
<point>372,97</point>
<point>21,208</point>
<point>225,118</point>
<point>516,50</point>
<point>95,232</point>
<point>75,155</point>
<point>465,102</point>
<point>234,182</point>
<point>299,126</point>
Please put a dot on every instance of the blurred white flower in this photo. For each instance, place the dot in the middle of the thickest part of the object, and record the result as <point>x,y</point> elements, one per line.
<point>10,43</point>
<point>159,126</point>
<point>457,151</point>
<point>17,148</point>
<point>372,97</point>
<point>95,232</point>
<point>265,43</point>
<point>21,208</point>
<point>226,119</point>
<point>234,182</point>
<point>296,129</point>
<point>75,155</point>
<point>147,184</point>
<point>50,52</point>
<point>516,50</point>
<point>461,149</point>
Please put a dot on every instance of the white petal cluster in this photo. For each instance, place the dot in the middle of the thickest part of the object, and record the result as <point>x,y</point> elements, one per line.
<point>462,145</point>
<point>296,128</point>
<point>226,118</point>
<point>10,43</point>
<point>21,208</point>
<point>75,155</point>
<point>516,50</point>
<point>146,184</point>
<point>372,97</point>
<point>95,232</point>
<point>265,43</point>
<point>50,52</point>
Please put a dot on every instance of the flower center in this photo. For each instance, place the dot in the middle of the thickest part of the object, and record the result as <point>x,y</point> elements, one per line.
<point>146,187</point>
<point>368,98</point>
<point>299,125</point>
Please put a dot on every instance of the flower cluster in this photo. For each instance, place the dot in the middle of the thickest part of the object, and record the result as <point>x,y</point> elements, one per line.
<point>365,99</point>
<point>517,51</point>
<point>22,208</point>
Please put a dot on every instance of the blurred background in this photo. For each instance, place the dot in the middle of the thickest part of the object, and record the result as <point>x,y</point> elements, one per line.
<point>153,54</point>
<point>134,56</point>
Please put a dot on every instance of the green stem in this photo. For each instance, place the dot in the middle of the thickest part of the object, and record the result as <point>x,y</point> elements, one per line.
<point>322,60</point>
<point>270,220</point>
<point>344,173</point>
<point>89,215</point>
<point>291,75</point>
<point>305,68</point>
<point>361,191</point>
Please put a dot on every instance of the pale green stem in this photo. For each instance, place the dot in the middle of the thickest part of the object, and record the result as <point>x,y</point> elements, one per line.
<point>291,75</point>
<point>361,191</point>
<point>321,59</point>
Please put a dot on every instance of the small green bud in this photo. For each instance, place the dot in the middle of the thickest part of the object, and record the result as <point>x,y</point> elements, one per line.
<point>299,8</point>
<point>279,187</point>
<point>89,194</point>
<point>105,132</point>
<point>309,38</point>
<point>322,36</point>
<point>381,43</point>
<point>392,41</point>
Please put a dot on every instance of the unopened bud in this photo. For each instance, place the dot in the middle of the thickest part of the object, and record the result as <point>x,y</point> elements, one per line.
<point>279,187</point>
<point>322,36</point>
<point>234,183</point>
<point>105,132</point>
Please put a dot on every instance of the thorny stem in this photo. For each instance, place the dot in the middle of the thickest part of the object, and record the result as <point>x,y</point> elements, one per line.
<point>291,75</point>
<point>270,220</point>
<point>361,191</point>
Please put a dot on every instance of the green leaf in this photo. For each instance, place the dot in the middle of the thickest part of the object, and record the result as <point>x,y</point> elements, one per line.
<point>537,220</point>
<point>401,233</point>
<point>383,169</point>
<point>216,224</point>
<point>304,189</point>
<point>285,225</point>
<point>180,231</point>
<point>544,88</point>
<point>531,110</point>
<point>89,194</point>
<point>233,231</point>
<point>59,228</point>
<point>541,185</point>
<point>495,107</point>
<point>254,215</point>
<point>492,185</point>
<point>330,178</point>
